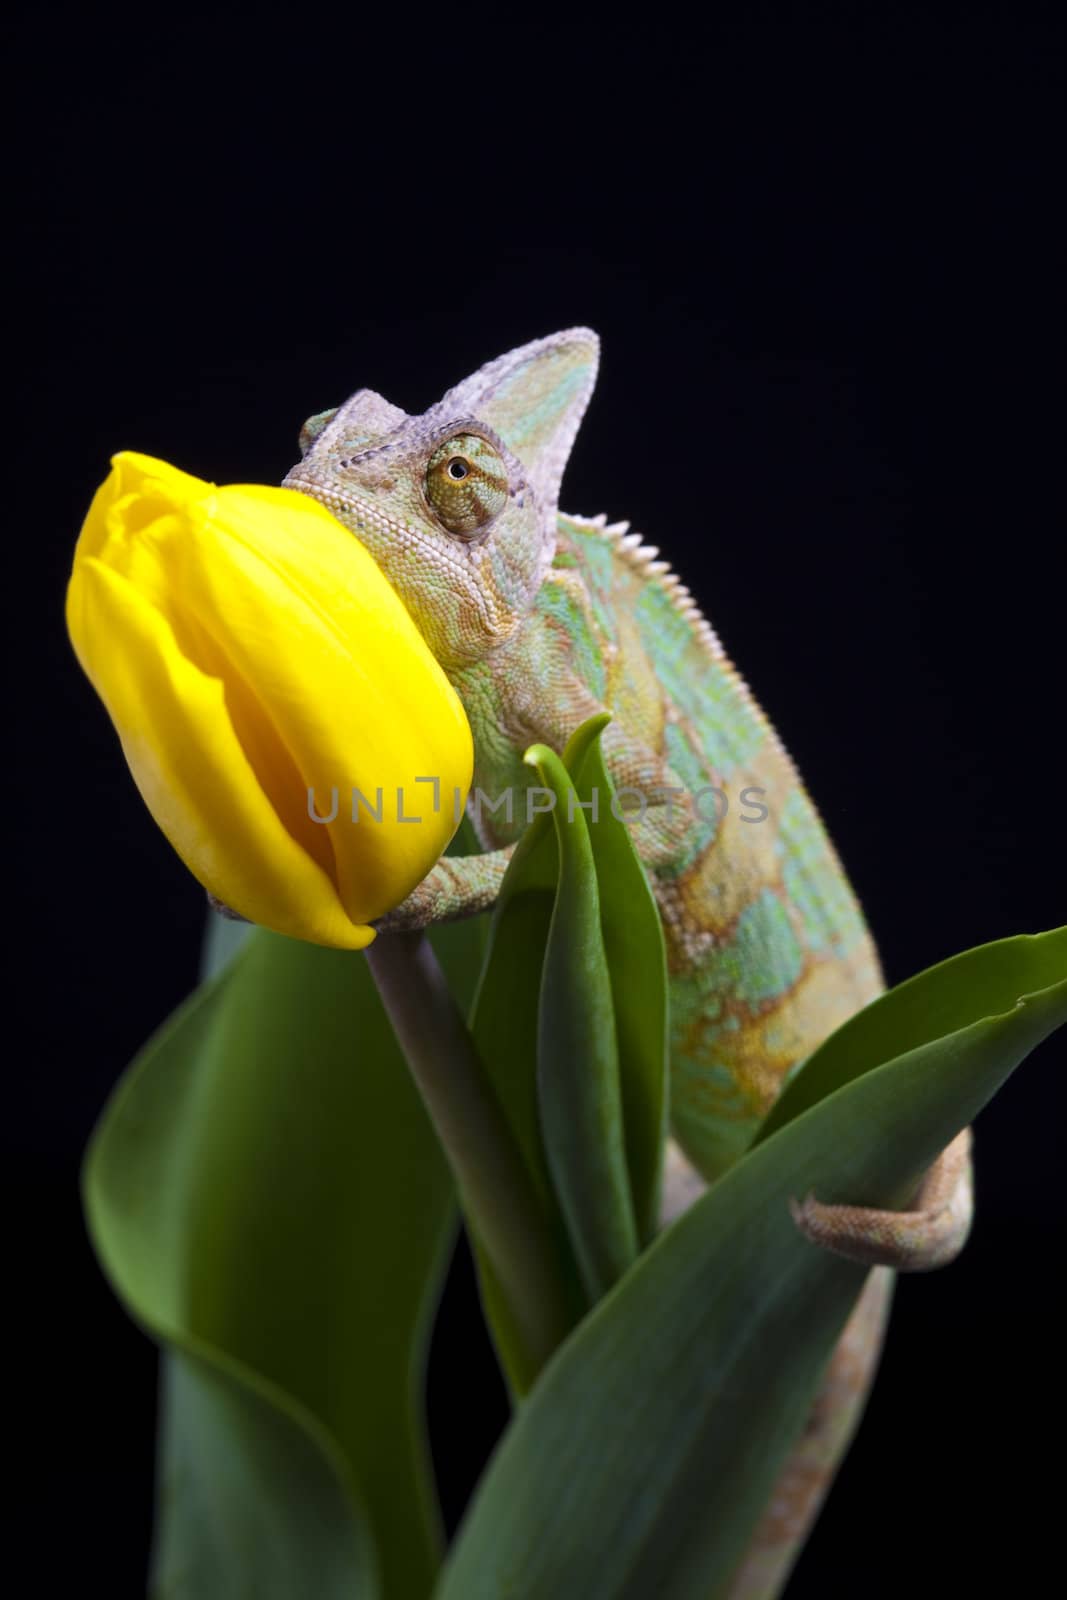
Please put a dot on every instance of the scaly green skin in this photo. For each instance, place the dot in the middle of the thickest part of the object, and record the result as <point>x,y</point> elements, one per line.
<point>541,620</point>
<point>767,948</point>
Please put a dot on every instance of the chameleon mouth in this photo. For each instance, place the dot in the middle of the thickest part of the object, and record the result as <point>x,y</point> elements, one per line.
<point>326,493</point>
<point>359,516</point>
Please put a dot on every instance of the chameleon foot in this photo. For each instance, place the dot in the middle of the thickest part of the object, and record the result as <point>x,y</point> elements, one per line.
<point>930,1235</point>
<point>458,886</point>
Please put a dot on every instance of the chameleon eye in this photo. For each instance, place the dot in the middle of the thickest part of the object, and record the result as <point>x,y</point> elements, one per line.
<point>466,484</point>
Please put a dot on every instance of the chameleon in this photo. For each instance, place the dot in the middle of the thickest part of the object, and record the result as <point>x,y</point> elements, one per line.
<point>541,620</point>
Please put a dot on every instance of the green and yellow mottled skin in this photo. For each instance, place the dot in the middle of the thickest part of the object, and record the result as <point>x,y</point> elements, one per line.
<point>541,620</point>
<point>767,949</point>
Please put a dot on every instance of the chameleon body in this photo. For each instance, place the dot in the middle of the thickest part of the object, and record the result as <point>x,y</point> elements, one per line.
<point>541,620</point>
<point>767,949</point>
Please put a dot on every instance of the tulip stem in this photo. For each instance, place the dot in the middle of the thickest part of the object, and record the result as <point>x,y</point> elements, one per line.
<point>496,1191</point>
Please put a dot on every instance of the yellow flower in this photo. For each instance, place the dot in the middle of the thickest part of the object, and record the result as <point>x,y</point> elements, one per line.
<point>258,666</point>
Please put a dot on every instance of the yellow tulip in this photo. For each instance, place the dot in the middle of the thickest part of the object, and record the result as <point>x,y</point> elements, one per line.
<point>259,668</point>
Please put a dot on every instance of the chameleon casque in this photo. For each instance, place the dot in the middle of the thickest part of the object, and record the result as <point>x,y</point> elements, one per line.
<point>541,620</point>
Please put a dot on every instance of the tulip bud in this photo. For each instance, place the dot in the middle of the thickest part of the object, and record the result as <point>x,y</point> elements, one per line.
<point>260,671</point>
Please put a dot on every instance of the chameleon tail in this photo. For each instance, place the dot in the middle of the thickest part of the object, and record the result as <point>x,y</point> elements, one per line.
<point>809,1471</point>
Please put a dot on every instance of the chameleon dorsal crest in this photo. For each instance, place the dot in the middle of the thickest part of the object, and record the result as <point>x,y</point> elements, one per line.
<point>459,505</point>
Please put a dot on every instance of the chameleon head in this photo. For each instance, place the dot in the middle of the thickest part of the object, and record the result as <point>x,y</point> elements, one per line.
<point>458,506</point>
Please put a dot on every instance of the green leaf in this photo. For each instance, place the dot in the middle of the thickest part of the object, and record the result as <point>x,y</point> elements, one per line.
<point>637,963</point>
<point>504,1024</point>
<point>253,1497</point>
<point>268,1198</point>
<point>504,1016</point>
<point>937,1001</point>
<point>579,1094</point>
<point>507,1015</point>
<point>646,1453</point>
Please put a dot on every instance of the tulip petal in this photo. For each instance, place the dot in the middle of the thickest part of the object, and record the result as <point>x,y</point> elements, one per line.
<point>195,778</point>
<point>352,691</point>
<point>257,664</point>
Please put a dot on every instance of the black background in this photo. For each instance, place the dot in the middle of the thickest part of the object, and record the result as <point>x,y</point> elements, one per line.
<point>822,255</point>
